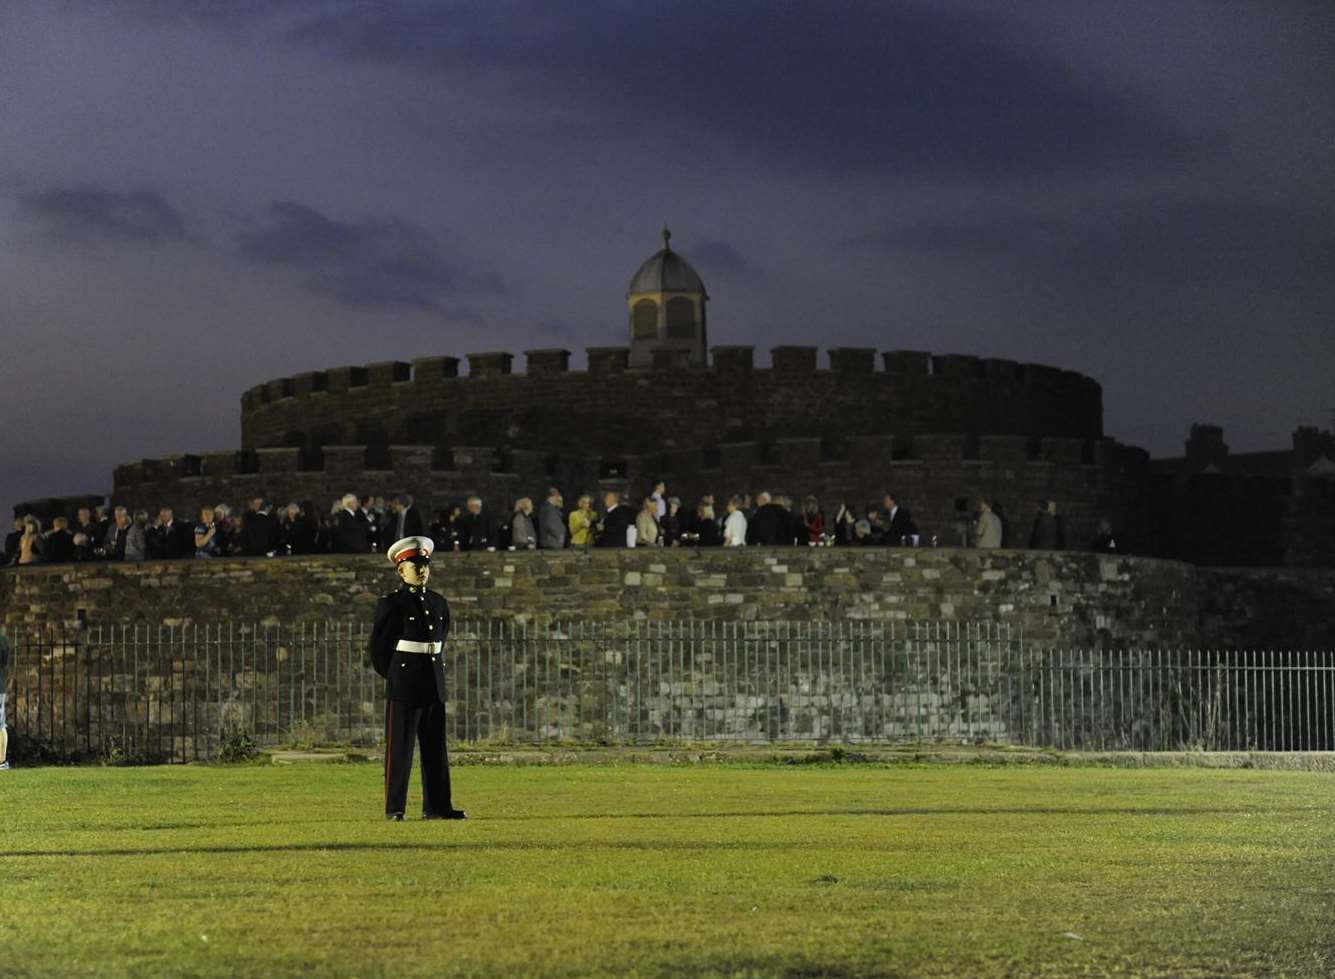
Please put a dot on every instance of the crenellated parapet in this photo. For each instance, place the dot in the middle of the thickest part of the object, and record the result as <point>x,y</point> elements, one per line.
<point>847,391</point>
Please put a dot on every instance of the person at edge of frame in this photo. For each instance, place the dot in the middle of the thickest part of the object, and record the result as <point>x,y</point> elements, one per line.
<point>406,645</point>
<point>4,734</point>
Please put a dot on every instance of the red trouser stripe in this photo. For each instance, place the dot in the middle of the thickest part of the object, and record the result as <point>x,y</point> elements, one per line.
<point>389,748</point>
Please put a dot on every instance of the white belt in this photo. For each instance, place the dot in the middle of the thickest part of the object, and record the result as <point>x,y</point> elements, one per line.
<point>409,646</point>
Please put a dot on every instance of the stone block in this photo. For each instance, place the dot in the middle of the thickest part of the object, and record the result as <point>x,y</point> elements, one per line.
<point>547,361</point>
<point>853,360</point>
<point>432,370</point>
<point>339,380</point>
<point>385,373</point>
<point>958,366</point>
<point>492,363</point>
<point>794,360</point>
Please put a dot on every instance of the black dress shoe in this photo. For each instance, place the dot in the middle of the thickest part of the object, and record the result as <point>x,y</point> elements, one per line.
<point>394,817</point>
<point>447,814</point>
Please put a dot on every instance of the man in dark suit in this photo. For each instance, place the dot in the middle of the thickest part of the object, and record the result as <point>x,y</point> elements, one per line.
<point>477,528</point>
<point>795,531</point>
<point>406,648</point>
<point>167,538</point>
<point>352,530</point>
<point>617,517</point>
<point>769,526</point>
<point>86,535</point>
<point>1049,530</point>
<point>59,544</point>
<point>899,525</point>
<point>258,536</point>
<point>404,520</point>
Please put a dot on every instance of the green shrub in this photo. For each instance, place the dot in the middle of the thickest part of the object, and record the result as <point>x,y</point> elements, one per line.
<point>236,744</point>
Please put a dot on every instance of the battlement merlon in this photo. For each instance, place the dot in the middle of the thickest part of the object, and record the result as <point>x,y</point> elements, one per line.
<point>340,460</point>
<point>602,360</point>
<point>427,400</point>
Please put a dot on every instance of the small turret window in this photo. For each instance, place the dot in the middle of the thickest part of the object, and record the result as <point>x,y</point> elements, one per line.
<point>644,320</point>
<point>680,319</point>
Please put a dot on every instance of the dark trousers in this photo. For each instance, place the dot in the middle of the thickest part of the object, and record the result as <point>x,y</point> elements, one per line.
<point>404,724</point>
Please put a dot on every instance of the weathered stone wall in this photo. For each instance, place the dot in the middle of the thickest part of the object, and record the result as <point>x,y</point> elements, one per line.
<point>281,670</point>
<point>616,411</point>
<point>1061,597</point>
<point>173,694</point>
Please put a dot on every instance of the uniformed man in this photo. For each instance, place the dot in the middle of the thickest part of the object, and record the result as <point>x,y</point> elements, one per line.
<point>407,640</point>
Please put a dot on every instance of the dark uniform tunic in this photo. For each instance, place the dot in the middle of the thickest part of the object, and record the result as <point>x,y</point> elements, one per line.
<point>411,625</point>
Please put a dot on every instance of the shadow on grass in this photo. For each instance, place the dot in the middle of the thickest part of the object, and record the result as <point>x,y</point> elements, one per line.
<point>563,846</point>
<point>621,845</point>
<point>925,811</point>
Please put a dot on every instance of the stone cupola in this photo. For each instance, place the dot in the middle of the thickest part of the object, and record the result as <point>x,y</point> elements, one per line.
<point>666,301</point>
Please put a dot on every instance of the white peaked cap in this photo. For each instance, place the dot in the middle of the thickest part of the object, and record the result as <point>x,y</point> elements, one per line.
<point>409,547</point>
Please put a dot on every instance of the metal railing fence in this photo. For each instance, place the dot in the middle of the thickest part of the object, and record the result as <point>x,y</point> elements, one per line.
<point>180,693</point>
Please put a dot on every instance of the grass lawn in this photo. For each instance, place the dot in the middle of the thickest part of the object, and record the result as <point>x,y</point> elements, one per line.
<point>724,870</point>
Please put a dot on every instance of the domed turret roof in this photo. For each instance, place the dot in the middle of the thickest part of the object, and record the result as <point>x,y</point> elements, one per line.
<point>666,271</point>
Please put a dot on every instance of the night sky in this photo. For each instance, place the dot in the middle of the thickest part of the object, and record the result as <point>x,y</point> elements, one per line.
<point>198,195</point>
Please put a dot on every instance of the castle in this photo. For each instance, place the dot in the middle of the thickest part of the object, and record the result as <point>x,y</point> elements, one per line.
<point>938,430</point>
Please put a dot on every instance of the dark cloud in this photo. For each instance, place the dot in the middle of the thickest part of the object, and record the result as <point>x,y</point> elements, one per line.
<point>1221,242</point>
<point>718,258</point>
<point>871,88</point>
<point>377,261</point>
<point>227,14</point>
<point>874,87</point>
<point>91,213</point>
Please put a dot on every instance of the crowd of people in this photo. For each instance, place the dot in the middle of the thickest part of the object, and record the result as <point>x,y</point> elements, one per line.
<point>360,525</point>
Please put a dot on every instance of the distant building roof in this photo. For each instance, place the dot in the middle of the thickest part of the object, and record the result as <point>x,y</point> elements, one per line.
<point>666,271</point>
<point>1276,463</point>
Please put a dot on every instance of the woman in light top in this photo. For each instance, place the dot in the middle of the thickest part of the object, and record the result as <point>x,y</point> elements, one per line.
<point>734,527</point>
